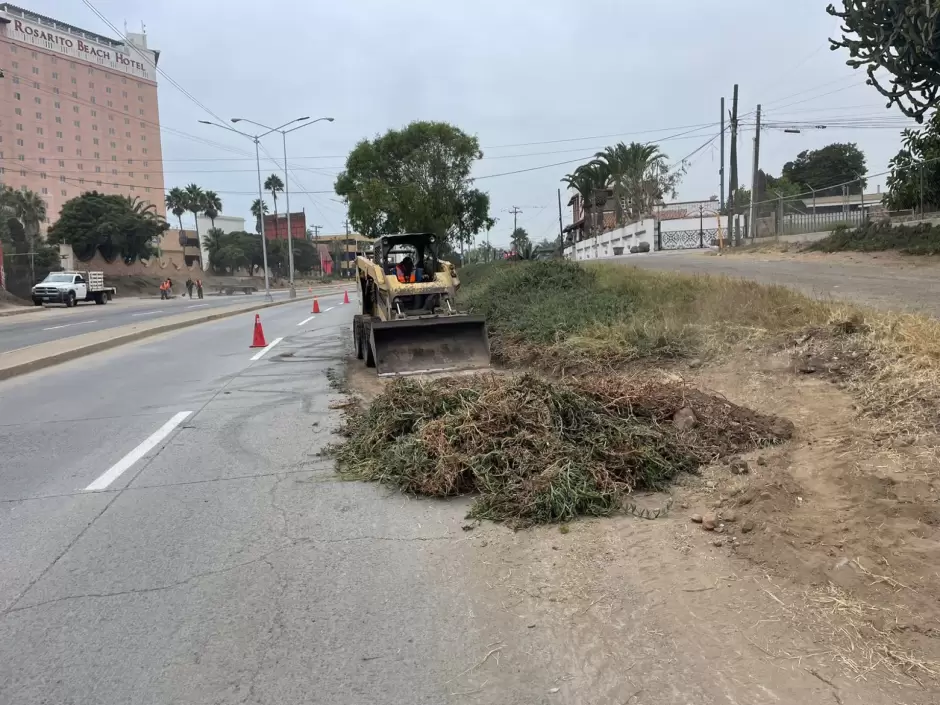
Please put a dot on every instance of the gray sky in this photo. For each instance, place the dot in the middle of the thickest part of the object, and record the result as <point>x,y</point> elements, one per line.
<point>511,72</point>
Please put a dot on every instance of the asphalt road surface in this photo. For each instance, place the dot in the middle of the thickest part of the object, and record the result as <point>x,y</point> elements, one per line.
<point>885,285</point>
<point>57,322</point>
<point>169,533</point>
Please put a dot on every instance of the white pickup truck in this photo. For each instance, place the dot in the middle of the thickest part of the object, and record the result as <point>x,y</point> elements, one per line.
<point>71,287</point>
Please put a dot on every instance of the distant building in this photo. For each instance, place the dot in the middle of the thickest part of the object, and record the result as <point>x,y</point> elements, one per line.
<point>275,226</point>
<point>78,112</point>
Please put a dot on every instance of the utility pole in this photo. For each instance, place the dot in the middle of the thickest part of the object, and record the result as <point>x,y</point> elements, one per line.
<point>755,178</point>
<point>733,176</point>
<point>561,228</point>
<point>721,169</point>
<point>316,237</point>
<point>515,210</point>
<point>346,244</point>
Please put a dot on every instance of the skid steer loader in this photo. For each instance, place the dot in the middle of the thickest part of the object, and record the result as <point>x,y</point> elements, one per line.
<point>408,321</point>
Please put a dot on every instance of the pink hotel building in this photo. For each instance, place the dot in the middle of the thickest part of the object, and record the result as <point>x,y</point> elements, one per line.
<point>78,112</point>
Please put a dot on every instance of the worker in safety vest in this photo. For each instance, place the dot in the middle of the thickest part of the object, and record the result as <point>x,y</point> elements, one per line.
<point>405,271</point>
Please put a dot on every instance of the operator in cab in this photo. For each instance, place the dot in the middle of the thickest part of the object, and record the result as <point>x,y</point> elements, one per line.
<point>405,271</point>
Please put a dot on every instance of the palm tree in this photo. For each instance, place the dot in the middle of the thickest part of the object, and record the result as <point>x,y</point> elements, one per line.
<point>213,206</point>
<point>590,182</point>
<point>176,203</point>
<point>257,208</point>
<point>274,184</point>
<point>195,203</point>
<point>215,241</point>
<point>639,175</point>
<point>30,209</point>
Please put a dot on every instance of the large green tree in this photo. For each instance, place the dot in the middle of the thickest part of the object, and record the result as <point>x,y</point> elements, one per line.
<point>589,181</point>
<point>914,180</point>
<point>274,185</point>
<point>257,208</point>
<point>639,176</point>
<point>415,179</point>
<point>826,169</point>
<point>176,203</point>
<point>114,225</point>
<point>27,259</point>
<point>903,38</point>
<point>212,205</point>
<point>195,203</point>
<point>520,239</point>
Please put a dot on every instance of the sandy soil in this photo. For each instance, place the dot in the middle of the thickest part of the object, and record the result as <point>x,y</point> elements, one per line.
<point>820,584</point>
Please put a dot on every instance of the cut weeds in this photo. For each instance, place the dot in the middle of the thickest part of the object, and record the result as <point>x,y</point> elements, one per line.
<point>540,451</point>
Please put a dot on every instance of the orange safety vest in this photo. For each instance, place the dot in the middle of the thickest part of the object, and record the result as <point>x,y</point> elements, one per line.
<point>400,273</point>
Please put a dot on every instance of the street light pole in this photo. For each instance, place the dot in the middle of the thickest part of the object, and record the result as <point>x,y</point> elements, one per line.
<point>264,245</point>
<point>290,234</point>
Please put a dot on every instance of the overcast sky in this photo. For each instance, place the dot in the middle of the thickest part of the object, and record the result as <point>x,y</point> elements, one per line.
<point>538,82</point>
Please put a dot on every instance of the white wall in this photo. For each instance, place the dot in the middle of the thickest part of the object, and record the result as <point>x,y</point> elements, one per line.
<point>602,246</point>
<point>225,223</point>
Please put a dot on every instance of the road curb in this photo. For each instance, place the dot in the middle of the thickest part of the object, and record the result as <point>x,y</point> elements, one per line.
<point>4,314</point>
<point>117,341</point>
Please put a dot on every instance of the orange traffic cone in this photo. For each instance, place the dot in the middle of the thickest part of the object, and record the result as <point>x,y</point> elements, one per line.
<point>257,340</point>
<point>316,306</point>
<point>346,297</point>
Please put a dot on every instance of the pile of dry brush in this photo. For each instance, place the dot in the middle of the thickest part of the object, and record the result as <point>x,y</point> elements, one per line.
<point>537,450</point>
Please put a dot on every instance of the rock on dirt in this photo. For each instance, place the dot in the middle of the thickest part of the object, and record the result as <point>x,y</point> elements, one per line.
<point>694,363</point>
<point>696,518</point>
<point>739,466</point>
<point>729,517</point>
<point>747,526</point>
<point>709,522</point>
<point>684,419</point>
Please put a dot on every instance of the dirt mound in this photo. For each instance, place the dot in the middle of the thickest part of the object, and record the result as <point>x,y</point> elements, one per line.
<point>9,300</point>
<point>538,450</point>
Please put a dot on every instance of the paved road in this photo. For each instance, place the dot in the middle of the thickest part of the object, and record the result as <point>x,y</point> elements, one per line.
<point>226,564</point>
<point>885,285</point>
<point>58,322</point>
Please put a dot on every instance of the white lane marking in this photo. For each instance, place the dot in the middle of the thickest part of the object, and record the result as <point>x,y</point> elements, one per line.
<point>258,355</point>
<point>306,320</point>
<point>118,469</point>
<point>197,305</point>
<point>66,325</point>
<point>328,309</point>
<point>146,313</point>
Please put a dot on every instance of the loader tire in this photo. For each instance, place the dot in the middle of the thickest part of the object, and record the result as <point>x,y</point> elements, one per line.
<point>365,336</point>
<point>357,335</point>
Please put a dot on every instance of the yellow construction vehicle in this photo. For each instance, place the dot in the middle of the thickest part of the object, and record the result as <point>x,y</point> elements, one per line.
<point>408,321</point>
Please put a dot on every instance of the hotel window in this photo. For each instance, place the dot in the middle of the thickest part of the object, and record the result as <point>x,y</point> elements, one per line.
<point>23,173</point>
<point>146,163</point>
<point>22,157</point>
<point>130,174</point>
<point>77,123</point>
<point>56,91</point>
<point>65,193</point>
<point>140,99</point>
<point>37,100</point>
<point>39,116</point>
<point>141,111</point>
<point>107,89</point>
<point>91,84</point>
<point>78,138</point>
<point>41,145</point>
<point>110,130</point>
<point>61,162</point>
<point>58,134</point>
<point>113,145</point>
<point>114,171</point>
<point>16,64</point>
<point>113,158</point>
<point>147,189</point>
<point>91,71</point>
<point>73,80</point>
<point>19,143</point>
<point>75,94</point>
<point>127,134</point>
<point>71,64</point>
<point>111,118</point>
<point>34,54</point>
<point>81,181</point>
<point>127,121</point>
<point>98,182</point>
<point>60,149</point>
<point>62,179</point>
<point>81,167</point>
<point>58,105</point>
<point>38,130</point>
<point>42,175</point>
<point>93,101</point>
<point>97,169</point>
<point>74,108</point>
<point>94,128</point>
<point>96,140</point>
<point>129,148</point>
<point>42,160</point>
<point>97,155</point>
<point>45,191</point>
<point>146,177</point>
<point>18,111</point>
<point>123,80</point>
<point>19,126</point>
<point>94,113</point>
<point>123,94</point>
<point>13,49</point>
<point>126,107</point>
<point>17,96</point>
<point>110,106</point>
<point>143,138</point>
<point>36,85</point>
<point>55,74</point>
<point>144,150</point>
<point>143,124</point>
<point>58,119</point>
<point>36,70</point>
<point>78,153</point>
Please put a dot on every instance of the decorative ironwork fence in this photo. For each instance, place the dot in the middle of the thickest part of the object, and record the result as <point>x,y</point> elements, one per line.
<point>686,239</point>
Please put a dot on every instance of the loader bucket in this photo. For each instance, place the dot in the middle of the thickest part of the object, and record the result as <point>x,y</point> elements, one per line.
<point>432,344</point>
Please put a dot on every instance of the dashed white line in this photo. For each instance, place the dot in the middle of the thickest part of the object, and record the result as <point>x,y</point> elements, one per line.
<point>258,355</point>
<point>121,466</point>
<point>66,325</point>
<point>306,320</point>
<point>197,305</point>
<point>146,313</point>
<point>328,309</point>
